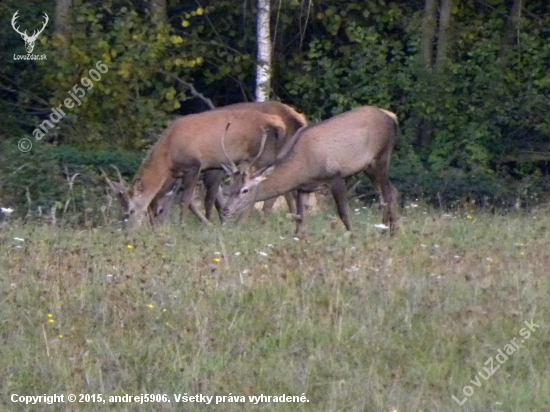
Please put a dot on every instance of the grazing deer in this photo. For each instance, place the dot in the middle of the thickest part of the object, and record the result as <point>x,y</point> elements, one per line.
<point>192,144</point>
<point>157,206</point>
<point>212,178</point>
<point>360,140</point>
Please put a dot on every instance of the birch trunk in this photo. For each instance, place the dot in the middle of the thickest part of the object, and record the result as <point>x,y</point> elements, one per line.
<point>263,63</point>
<point>159,12</point>
<point>62,24</point>
<point>443,35</point>
<point>512,31</point>
<point>428,33</point>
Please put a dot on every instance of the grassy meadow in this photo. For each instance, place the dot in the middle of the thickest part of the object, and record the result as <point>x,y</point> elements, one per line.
<point>355,322</point>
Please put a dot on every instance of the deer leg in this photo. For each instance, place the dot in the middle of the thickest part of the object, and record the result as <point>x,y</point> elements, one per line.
<point>212,182</point>
<point>291,198</point>
<point>389,194</point>
<point>268,206</point>
<point>189,182</point>
<point>392,195</point>
<point>195,210</point>
<point>301,200</point>
<point>339,193</point>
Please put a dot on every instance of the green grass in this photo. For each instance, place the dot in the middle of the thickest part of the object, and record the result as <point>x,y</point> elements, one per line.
<point>359,322</point>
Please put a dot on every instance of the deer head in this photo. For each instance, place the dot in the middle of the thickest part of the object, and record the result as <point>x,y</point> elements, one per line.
<point>29,40</point>
<point>134,214</point>
<point>245,181</point>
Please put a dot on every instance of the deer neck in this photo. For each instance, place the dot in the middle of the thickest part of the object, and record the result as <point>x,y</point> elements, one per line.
<point>283,179</point>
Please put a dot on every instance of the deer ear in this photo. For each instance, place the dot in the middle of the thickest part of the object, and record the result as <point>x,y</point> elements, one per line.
<point>267,172</point>
<point>230,170</point>
<point>259,179</point>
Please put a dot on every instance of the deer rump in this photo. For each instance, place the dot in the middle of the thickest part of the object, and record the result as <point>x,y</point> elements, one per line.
<point>360,140</point>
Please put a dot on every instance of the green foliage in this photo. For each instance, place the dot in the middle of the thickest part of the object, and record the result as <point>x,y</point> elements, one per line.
<point>60,177</point>
<point>486,106</point>
<point>127,107</point>
<point>480,108</point>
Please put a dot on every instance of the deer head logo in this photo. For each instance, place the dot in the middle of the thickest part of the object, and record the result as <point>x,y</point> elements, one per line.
<point>29,40</point>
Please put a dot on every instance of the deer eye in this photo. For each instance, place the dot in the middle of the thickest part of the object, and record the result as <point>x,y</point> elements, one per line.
<point>244,191</point>
<point>132,212</point>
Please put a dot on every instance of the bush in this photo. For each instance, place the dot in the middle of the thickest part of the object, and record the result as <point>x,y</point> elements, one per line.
<point>60,178</point>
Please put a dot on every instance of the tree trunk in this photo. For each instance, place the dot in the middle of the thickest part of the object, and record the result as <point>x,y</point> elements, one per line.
<point>428,33</point>
<point>443,34</point>
<point>159,12</point>
<point>62,24</point>
<point>512,30</point>
<point>429,25</point>
<point>263,63</point>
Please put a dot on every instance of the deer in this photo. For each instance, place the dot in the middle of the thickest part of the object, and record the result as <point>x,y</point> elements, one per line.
<point>157,205</point>
<point>213,178</point>
<point>360,140</point>
<point>190,146</point>
<point>29,40</point>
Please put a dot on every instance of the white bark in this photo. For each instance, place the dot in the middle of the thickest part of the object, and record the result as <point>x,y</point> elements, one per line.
<point>263,62</point>
<point>443,38</point>
<point>62,24</point>
<point>158,11</point>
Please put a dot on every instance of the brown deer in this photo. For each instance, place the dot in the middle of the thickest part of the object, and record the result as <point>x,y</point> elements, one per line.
<point>360,140</point>
<point>212,178</point>
<point>192,144</point>
<point>158,205</point>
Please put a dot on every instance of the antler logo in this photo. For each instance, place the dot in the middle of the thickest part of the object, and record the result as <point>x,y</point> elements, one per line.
<point>29,40</point>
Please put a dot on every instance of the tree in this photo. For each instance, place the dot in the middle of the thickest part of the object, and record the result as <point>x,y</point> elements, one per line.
<point>443,33</point>
<point>512,29</point>
<point>62,22</point>
<point>428,33</point>
<point>159,12</point>
<point>263,64</point>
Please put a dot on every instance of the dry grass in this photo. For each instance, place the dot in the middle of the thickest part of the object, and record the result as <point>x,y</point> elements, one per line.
<point>357,322</point>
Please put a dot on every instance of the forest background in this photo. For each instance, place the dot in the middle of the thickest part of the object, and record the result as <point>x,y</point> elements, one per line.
<point>469,80</point>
